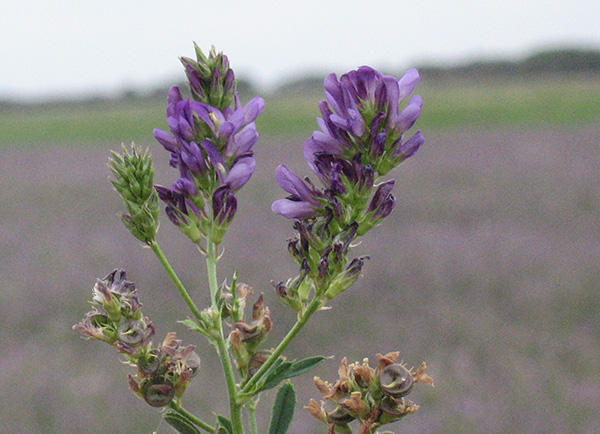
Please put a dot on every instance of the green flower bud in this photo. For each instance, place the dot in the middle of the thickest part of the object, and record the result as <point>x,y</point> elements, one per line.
<point>346,279</point>
<point>134,181</point>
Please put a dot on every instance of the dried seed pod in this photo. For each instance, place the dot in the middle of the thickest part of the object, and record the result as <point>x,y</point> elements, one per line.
<point>193,362</point>
<point>158,392</point>
<point>151,362</point>
<point>131,332</point>
<point>256,361</point>
<point>339,416</point>
<point>395,380</point>
<point>391,411</point>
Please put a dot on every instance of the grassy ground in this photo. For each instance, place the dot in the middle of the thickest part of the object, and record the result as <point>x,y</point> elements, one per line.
<point>487,269</point>
<point>520,104</point>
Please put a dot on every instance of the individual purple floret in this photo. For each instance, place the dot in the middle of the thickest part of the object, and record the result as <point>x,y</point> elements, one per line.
<point>303,200</point>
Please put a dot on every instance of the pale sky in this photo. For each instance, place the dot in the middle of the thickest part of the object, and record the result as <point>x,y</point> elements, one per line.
<point>50,47</point>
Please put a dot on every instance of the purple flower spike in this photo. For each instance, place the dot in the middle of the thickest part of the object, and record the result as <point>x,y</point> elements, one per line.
<point>210,139</point>
<point>361,115</point>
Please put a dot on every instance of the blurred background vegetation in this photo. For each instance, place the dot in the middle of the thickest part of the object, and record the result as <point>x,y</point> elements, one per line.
<point>488,268</point>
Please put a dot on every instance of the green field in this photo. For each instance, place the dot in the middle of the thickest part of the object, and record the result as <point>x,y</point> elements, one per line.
<point>487,269</point>
<point>450,105</point>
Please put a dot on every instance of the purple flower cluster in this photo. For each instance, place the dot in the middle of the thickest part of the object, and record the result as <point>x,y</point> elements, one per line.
<point>361,137</point>
<point>211,147</point>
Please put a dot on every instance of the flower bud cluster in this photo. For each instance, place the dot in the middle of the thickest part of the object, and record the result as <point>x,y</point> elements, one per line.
<point>373,397</point>
<point>362,137</point>
<point>133,181</point>
<point>210,141</point>
<point>116,318</point>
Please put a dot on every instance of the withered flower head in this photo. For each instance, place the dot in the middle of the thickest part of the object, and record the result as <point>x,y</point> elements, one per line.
<point>164,372</point>
<point>373,397</point>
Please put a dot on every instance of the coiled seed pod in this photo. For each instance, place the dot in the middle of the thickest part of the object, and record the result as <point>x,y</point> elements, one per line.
<point>395,380</point>
<point>390,410</point>
<point>340,416</point>
<point>193,362</point>
<point>151,362</point>
<point>158,392</point>
<point>131,332</point>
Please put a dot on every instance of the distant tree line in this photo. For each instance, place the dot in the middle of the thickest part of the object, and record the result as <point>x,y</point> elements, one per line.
<point>567,61</point>
<point>557,61</point>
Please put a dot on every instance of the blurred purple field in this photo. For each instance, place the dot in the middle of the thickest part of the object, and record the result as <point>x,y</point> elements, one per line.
<point>487,269</point>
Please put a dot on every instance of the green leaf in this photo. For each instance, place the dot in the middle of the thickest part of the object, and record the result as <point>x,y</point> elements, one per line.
<point>223,425</point>
<point>181,423</point>
<point>193,325</point>
<point>304,365</point>
<point>286,370</point>
<point>275,375</point>
<point>283,409</point>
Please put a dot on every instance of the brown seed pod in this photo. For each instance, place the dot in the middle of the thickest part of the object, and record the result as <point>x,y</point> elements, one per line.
<point>395,380</point>
<point>390,410</point>
<point>193,362</point>
<point>158,392</point>
<point>151,362</point>
<point>339,416</point>
<point>131,332</point>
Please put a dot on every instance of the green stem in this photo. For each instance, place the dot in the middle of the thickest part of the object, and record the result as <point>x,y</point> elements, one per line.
<point>182,291</point>
<point>252,418</point>
<point>235,409</point>
<point>211,266</point>
<point>179,409</point>
<point>314,305</point>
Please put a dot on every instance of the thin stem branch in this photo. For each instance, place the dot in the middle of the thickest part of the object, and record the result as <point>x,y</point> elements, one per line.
<point>235,409</point>
<point>179,409</point>
<point>314,305</point>
<point>182,291</point>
